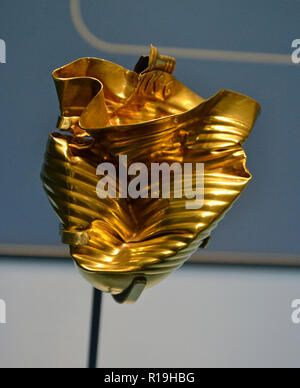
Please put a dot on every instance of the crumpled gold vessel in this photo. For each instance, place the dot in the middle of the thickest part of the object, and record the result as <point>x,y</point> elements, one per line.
<point>124,245</point>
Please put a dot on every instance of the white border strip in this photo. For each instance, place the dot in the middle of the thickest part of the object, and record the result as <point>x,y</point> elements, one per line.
<point>202,257</point>
<point>177,52</point>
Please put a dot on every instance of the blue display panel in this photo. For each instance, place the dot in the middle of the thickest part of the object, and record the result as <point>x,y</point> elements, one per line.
<point>40,35</point>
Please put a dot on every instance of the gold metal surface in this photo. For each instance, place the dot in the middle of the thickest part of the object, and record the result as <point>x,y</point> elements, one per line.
<point>124,245</point>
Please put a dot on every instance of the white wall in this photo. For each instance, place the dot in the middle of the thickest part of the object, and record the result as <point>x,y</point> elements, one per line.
<point>48,312</point>
<point>207,317</point>
<point>200,317</point>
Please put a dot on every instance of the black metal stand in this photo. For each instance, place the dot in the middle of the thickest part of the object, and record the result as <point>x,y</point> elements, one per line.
<point>95,329</point>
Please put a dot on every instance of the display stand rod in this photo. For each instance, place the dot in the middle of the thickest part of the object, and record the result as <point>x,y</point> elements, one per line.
<point>95,329</point>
